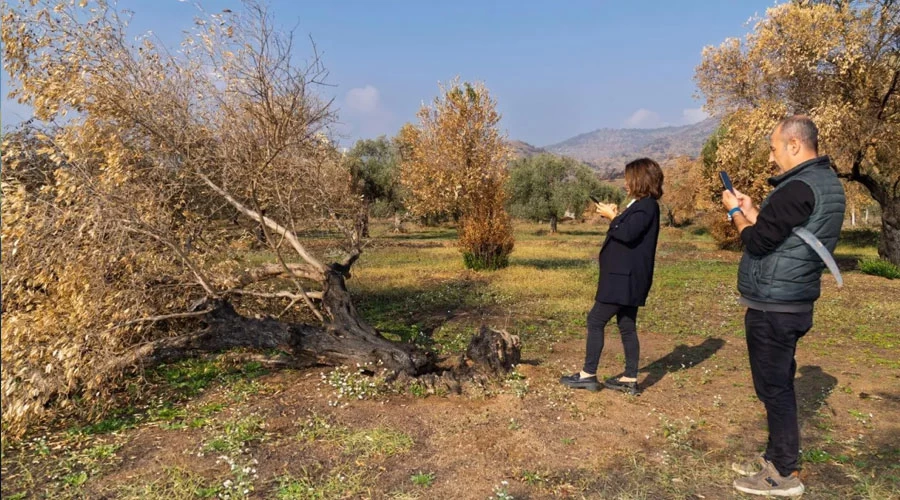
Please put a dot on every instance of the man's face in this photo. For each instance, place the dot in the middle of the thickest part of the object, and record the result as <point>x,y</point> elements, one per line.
<point>778,150</point>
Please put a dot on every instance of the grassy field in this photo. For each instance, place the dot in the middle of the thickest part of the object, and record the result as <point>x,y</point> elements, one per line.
<point>223,428</point>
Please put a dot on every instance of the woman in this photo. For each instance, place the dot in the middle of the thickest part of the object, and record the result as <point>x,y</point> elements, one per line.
<point>626,273</point>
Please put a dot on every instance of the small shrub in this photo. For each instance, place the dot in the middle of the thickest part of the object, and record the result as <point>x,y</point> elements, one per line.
<point>422,478</point>
<point>486,240</point>
<point>816,456</point>
<point>485,261</point>
<point>860,237</point>
<point>879,267</point>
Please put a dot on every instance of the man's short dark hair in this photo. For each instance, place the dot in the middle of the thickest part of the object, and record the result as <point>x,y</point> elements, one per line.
<point>802,128</point>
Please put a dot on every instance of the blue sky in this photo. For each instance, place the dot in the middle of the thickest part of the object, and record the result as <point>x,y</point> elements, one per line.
<point>556,69</point>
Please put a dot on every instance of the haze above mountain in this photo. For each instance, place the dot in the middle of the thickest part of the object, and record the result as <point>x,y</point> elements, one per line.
<point>608,150</point>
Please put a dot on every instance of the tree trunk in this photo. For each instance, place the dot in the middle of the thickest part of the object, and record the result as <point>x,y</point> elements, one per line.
<point>889,248</point>
<point>359,342</point>
<point>552,224</point>
<point>670,215</point>
<point>398,223</point>
<point>345,340</point>
<point>364,219</point>
<point>494,351</point>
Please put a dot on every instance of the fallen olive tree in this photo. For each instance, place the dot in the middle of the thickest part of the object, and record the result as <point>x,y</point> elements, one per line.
<point>190,201</point>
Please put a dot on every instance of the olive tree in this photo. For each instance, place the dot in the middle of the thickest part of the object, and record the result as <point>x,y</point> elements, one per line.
<point>125,226</point>
<point>839,62</point>
<point>544,187</point>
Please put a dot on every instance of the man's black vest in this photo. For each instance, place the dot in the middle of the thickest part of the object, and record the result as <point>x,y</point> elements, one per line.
<point>791,274</point>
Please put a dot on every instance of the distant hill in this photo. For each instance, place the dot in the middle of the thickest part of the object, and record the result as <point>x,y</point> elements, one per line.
<point>608,150</point>
<point>524,150</point>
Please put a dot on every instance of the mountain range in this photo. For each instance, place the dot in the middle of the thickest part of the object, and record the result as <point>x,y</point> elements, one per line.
<point>608,150</point>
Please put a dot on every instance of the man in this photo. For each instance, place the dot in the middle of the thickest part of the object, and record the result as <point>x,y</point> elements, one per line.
<point>779,281</point>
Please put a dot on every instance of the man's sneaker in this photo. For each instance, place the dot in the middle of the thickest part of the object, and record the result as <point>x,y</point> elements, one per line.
<point>576,381</point>
<point>769,482</point>
<point>751,467</point>
<point>618,385</point>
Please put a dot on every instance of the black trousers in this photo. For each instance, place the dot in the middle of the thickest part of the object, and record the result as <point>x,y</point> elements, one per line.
<point>771,343</point>
<point>626,318</point>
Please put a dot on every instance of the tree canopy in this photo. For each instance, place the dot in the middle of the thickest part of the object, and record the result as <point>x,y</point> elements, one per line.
<point>839,62</point>
<point>544,187</point>
<point>125,227</point>
<point>374,165</point>
<point>455,162</point>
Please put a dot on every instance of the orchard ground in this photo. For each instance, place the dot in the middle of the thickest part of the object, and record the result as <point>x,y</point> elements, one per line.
<point>223,427</point>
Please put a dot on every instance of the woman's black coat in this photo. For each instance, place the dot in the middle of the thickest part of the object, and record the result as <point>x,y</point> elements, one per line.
<point>628,254</point>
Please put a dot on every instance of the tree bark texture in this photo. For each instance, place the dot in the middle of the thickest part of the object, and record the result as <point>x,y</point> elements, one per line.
<point>344,340</point>
<point>889,247</point>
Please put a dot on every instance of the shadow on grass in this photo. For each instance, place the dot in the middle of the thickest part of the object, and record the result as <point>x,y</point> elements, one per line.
<point>580,232</point>
<point>683,357</point>
<point>847,262</point>
<point>812,389</point>
<point>860,237</point>
<point>440,234</point>
<point>549,263</point>
<point>412,311</point>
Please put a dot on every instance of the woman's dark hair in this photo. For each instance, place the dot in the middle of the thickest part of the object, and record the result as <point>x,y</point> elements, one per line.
<point>643,177</point>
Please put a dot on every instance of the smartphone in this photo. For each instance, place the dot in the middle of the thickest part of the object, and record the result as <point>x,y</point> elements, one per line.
<point>726,181</point>
<point>595,200</point>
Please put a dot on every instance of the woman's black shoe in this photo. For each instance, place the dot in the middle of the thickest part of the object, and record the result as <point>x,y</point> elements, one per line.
<point>626,387</point>
<point>576,381</point>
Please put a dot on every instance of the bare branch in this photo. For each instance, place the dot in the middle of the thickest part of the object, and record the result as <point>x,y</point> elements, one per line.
<point>279,229</point>
<point>204,282</point>
<point>161,317</point>
<point>284,265</point>
<point>271,295</point>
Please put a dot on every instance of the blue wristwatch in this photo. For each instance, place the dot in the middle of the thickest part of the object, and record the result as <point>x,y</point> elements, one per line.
<point>733,211</point>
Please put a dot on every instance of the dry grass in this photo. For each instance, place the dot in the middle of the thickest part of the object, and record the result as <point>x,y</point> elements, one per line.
<point>214,429</point>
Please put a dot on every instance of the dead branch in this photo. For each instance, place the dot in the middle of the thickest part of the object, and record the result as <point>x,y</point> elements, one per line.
<point>278,228</point>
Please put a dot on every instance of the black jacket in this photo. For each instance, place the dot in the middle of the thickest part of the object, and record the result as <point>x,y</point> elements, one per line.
<point>628,254</point>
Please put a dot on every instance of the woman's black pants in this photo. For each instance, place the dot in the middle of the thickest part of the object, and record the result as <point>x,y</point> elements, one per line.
<point>626,318</point>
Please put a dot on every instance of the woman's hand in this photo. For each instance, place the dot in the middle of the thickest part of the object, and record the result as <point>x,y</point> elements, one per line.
<point>608,210</point>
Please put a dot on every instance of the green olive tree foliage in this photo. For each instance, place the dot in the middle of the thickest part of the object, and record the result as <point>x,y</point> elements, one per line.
<point>544,187</point>
<point>455,162</point>
<point>839,62</point>
<point>119,243</point>
<point>375,167</point>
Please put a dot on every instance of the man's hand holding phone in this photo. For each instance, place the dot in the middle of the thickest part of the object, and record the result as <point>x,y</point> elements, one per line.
<point>729,196</point>
<point>733,199</point>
